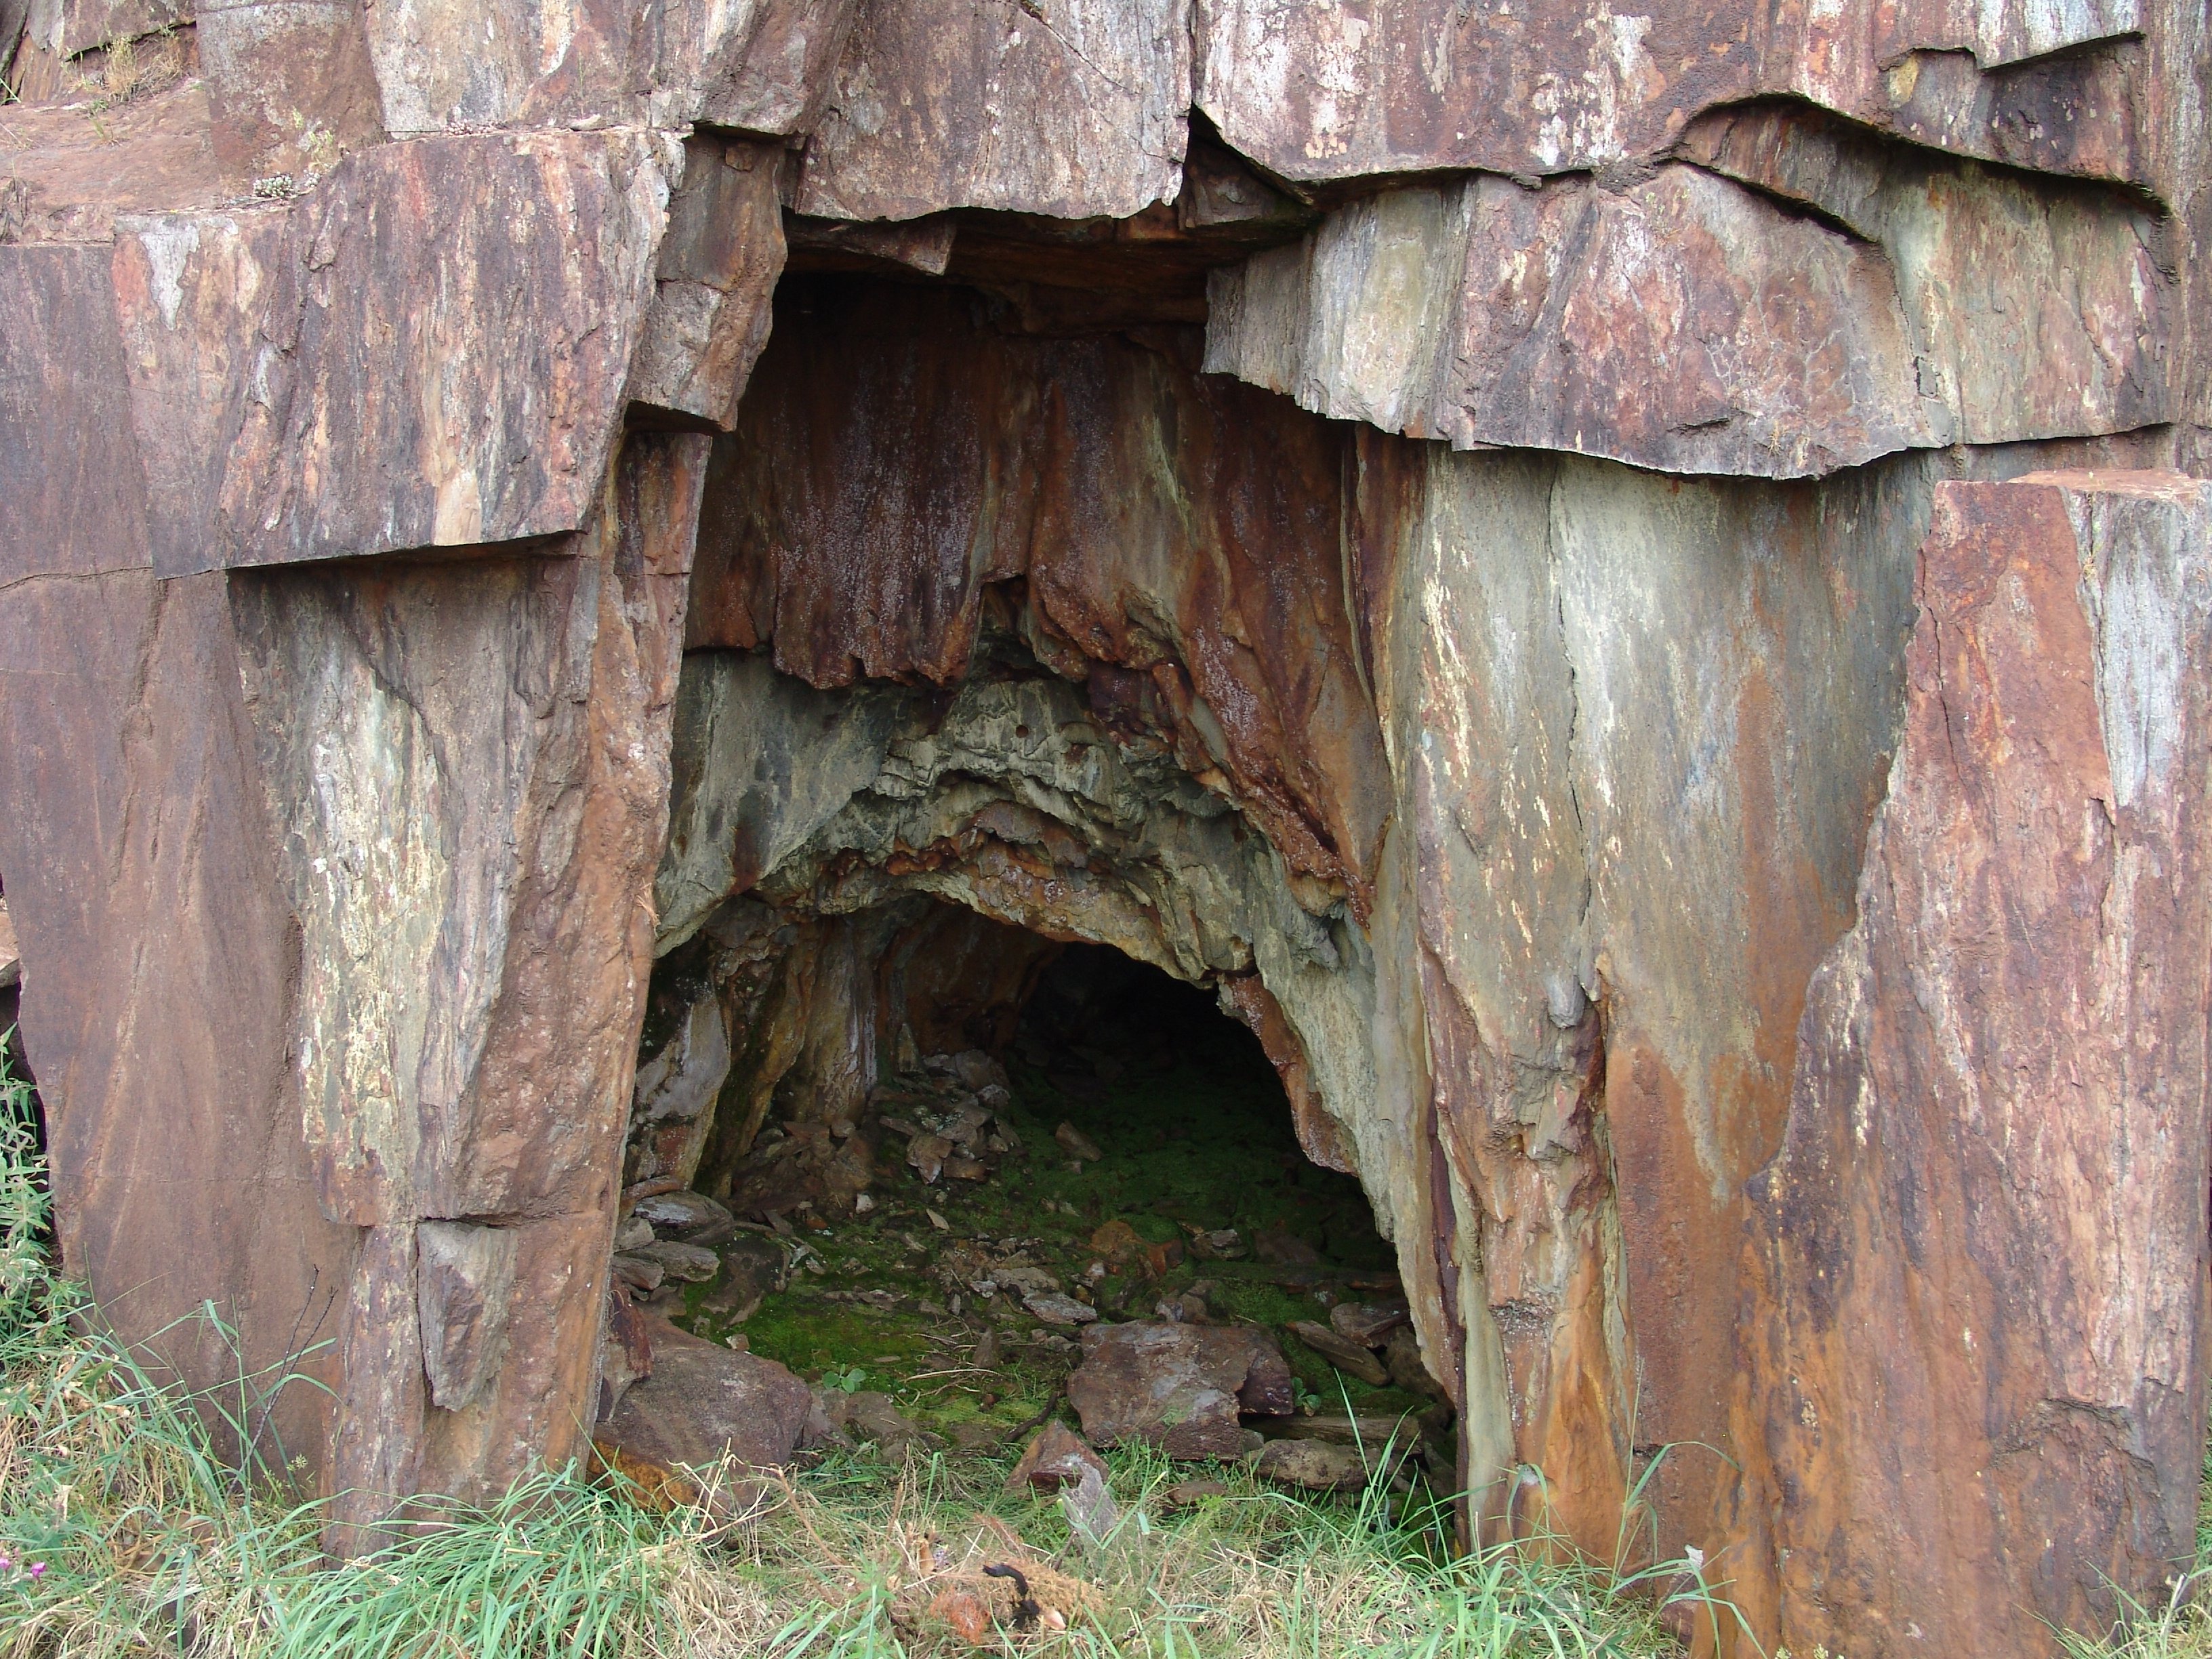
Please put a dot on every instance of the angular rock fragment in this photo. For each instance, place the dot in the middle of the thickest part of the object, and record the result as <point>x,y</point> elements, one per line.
<point>691,1263</point>
<point>1077,1144</point>
<point>1368,1323</point>
<point>1056,1457</point>
<point>1056,1309</point>
<point>718,264</point>
<point>692,1218</point>
<point>642,1274</point>
<point>1348,1356</point>
<point>753,1269</point>
<point>1314,1465</point>
<point>2086,355</point>
<point>625,1350</point>
<point>703,1402</point>
<point>368,298</point>
<point>1177,1386</point>
<point>464,1278</point>
<point>1073,108</point>
<point>927,1153</point>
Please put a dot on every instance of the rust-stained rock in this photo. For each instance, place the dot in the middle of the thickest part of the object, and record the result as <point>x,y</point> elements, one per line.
<point>57,184</point>
<point>138,833</point>
<point>289,85</point>
<point>1057,1458</point>
<point>1975,1286</point>
<point>357,403</point>
<point>898,445</point>
<point>719,263</point>
<point>67,28</point>
<point>1680,323</point>
<point>1074,108</point>
<point>2034,311</point>
<point>323,379</point>
<point>466,1286</point>
<point>1527,613</point>
<point>1399,85</point>
<point>469,64</point>
<point>1177,1386</point>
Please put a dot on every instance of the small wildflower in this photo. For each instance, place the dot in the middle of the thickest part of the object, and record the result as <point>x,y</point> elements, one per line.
<point>37,1569</point>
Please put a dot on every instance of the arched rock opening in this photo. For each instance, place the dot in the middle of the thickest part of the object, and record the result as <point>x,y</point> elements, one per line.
<point>974,1143</point>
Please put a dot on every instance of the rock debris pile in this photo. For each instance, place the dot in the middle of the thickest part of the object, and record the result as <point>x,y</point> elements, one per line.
<point>926,1320</point>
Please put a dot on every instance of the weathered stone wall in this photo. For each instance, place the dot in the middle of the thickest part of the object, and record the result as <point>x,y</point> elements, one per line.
<point>1502,549</point>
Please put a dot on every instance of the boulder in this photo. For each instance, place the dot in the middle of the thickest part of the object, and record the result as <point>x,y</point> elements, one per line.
<point>1177,1386</point>
<point>703,1402</point>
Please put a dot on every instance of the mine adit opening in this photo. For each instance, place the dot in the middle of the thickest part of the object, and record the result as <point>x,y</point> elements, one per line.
<point>1048,1136</point>
<point>1010,627</point>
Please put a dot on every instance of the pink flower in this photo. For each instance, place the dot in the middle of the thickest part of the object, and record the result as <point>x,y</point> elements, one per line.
<point>37,1569</point>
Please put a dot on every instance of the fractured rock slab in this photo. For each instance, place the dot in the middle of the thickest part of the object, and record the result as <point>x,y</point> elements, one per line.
<point>2086,354</point>
<point>1680,323</point>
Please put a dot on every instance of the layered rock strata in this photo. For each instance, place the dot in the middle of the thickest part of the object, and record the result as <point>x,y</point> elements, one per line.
<point>1500,547</point>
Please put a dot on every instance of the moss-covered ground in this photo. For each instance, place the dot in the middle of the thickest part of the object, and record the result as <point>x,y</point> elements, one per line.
<point>1196,1139</point>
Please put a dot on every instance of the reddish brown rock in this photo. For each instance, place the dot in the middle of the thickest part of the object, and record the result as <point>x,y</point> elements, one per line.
<point>139,834</point>
<point>718,264</point>
<point>1383,87</point>
<point>1678,323</point>
<point>1056,1458</point>
<point>1071,110</point>
<point>1177,1386</point>
<point>297,395</point>
<point>1975,1299</point>
<point>289,86</point>
<point>57,184</point>
<point>703,1402</point>
<point>848,542</point>
<point>2087,357</point>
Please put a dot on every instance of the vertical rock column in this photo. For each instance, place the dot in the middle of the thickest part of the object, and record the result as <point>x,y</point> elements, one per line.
<point>467,761</point>
<point>1975,1275</point>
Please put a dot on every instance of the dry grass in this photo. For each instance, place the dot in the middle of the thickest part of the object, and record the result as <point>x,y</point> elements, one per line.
<point>148,1542</point>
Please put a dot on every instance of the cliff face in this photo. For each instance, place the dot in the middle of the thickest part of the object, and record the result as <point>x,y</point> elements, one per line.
<point>1630,589</point>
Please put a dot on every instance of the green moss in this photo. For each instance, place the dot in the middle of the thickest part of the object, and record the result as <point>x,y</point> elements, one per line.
<point>1205,1145</point>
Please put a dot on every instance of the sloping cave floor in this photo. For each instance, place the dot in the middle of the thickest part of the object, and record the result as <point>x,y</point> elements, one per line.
<point>1198,1204</point>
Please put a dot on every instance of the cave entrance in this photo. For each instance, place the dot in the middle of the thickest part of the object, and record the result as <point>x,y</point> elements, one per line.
<point>978,1141</point>
<point>1010,627</point>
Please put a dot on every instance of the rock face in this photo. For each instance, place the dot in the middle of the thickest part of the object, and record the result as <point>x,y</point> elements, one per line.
<point>1627,591</point>
<point>1930,1270</point>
